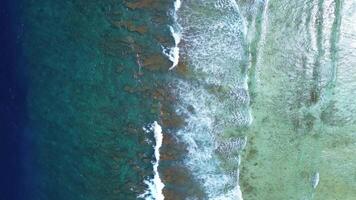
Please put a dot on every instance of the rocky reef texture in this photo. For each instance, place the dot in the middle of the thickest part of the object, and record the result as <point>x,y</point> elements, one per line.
<point>94,70</point>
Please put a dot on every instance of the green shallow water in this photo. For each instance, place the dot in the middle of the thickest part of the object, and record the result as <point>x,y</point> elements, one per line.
<point>300,126</point>
<point>299,57</point>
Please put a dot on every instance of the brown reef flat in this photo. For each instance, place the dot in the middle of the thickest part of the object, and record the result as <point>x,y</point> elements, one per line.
<point>156,62</point>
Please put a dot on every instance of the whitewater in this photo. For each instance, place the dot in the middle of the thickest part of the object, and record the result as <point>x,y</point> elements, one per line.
<point>214,48</point>
<point>155,185</point>
<point>173,52</point>
<point>266,98</point>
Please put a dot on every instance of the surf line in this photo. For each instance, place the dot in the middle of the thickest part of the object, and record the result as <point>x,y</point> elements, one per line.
<point>155,186</point>
<point>173,52</point>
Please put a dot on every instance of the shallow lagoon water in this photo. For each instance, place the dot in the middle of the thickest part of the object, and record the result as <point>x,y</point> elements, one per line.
<point>291,58</point>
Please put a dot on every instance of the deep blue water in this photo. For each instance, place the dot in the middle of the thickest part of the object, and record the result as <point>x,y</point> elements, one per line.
<point>14,145</point>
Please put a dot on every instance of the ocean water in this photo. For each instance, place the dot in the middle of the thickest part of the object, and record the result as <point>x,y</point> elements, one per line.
<point>178,99</point>
<point>14,137</point>
<point>90,95</point>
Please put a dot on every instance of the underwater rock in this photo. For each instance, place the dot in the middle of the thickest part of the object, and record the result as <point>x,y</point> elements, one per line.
<point>177,180</point>
<point>164,40</point>
<point>173,121</point>
<point>163,95</point>
<point>158,95</point>
<point>130,26</point>
<point>246,187</point>
<point>170,119</point>
<point>175,175</point>
<point>171,149</point>
<point>156,62</point>
<point>140,4</point>
<point>182,69</point>
<point>251,154</point>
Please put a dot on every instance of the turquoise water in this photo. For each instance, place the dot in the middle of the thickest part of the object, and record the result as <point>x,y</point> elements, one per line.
<point>260,106</point>
<point>88,98</point>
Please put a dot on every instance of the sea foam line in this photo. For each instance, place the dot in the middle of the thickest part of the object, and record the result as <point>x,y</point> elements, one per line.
<point>155,186</point>
<point>215,48</point>
<point>173,52</point>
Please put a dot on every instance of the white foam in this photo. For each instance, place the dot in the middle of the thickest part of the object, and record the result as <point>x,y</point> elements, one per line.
<point>176,35</point>
<point>173,52</point>
<point>199,135</point>
<point>177,5</point>
<point>315,180</point>
<point>215,48</point>
<point>155,186</point>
